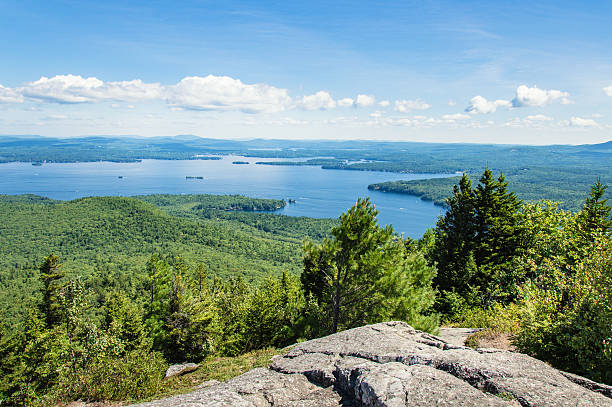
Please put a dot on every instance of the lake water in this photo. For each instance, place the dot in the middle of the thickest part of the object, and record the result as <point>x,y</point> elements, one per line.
<point>318,193</point>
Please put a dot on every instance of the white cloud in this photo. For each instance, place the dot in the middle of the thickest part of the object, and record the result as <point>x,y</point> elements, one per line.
<point>581,122</point>
<point>76,89</point>
<point>608,90</point>
<point>534,96</point>
<point>384,103</point>
<point>524,97</point>
<point>225,93</point>
<point>376,114</point>
<point>539,118</point>
<point>408,105</point>
<point>452,103</point>
<point>479,104</point>
<point>8,95</point>
<point>365,100</point>
<point>55,117</point>
<point>456,116</point>
<point>345,102</point>
<point>321,100</point>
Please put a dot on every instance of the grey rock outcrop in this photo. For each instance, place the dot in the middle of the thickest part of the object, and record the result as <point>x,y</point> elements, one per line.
<point>177,370</point>
<point>391,364</point>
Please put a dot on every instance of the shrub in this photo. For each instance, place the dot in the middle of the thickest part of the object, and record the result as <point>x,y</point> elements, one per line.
<point>567,314</point>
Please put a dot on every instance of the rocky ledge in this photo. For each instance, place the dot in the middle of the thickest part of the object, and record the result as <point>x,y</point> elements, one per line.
<point>392,364</point>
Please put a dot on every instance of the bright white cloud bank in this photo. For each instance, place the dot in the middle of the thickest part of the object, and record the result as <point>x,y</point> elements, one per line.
<point>8,95</point>
<point>524,97</point>
<point>321,100</point>
<point>608,90</point>
<point>221,93</point>
<point>581,122</point>
<point>479,104</point>
<point>365,100</point>
<point>76,89</point>
<point>346,102</point>
<point>225,93</point>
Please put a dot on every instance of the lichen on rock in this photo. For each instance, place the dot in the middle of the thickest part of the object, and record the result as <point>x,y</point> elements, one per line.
<point>392,364</point>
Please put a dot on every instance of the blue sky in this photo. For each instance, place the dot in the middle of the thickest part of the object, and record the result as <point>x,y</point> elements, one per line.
<point>533,72</point>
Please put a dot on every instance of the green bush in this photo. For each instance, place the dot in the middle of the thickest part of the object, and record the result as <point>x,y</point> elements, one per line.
<point>567,314</point>
<point>135,376</point>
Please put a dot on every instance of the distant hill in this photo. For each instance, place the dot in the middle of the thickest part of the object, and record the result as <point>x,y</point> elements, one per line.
<point>111,239</point>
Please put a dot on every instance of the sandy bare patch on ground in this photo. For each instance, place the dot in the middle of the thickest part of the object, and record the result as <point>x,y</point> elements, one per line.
<point>491,339</point>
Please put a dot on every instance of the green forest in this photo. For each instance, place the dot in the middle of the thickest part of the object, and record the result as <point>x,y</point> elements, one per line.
<point>99,295</point>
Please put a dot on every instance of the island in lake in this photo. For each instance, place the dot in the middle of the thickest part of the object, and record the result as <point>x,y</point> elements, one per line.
<point>240,162</point>
<point>192,177</point>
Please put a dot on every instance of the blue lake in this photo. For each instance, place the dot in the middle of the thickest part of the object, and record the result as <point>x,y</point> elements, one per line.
<point>318,193</point>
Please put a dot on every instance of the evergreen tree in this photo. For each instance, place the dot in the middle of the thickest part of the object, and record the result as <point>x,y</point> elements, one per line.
<point>357,274</point>
<point>498,239</point>
<point>595,216</point>
<point>454,241</point>
<point>475,243</point>
<point>51,275</point>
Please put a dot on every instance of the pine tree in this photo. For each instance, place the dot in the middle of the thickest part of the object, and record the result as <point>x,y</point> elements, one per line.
<point>475,243</point>
<point>595,216</point>
<point>454,240</point>
<point>357,274</point>
<point>51,274</point>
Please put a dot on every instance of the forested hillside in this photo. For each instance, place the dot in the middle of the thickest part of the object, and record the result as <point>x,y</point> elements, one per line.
<point>108,240</point>
<point>143,287</point>
<point>145,282</point>
<point>567,186</point>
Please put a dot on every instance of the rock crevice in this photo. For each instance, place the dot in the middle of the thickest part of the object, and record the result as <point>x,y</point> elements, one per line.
<point>392,364</point>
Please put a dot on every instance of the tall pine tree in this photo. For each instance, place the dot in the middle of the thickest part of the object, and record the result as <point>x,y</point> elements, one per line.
<point>475,242</point>
<point>595,215</point>
<point>359,274</point>
<point>51,275</point>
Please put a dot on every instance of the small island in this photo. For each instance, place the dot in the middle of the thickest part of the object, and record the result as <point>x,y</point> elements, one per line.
<point>192,177</point>
<point>240,162</point>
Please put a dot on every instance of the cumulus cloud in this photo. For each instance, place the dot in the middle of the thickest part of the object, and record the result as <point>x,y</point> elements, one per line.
<point>479,104</point>
<point>8,95</point>
<point>76,89</point>
<point>365,100</point>
<point>321,100</point>
<point>219,93</point>
<point>526,96</point>
<point>456,116</point>
<point>581,122</point>
<point>197,93</point>
<point>345,102</point>
<point>608,90</point>
<point>225,93</point>
<point>408,105</point>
